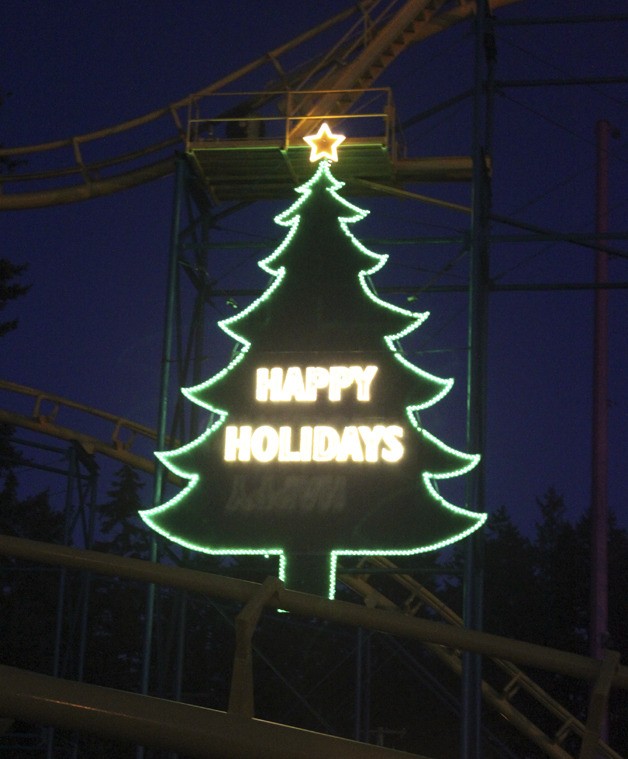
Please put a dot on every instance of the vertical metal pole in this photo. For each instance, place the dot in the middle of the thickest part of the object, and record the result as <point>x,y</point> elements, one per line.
<point>198,337</point>
<point>599,452</point>
<point>367,685</point>
<point>162,417</point>
<point>599,434</point>
<point>180,645</point>
<point>87,499</point>
<point>471,696</point>
<point>56,658</point>
<point>359,671</point>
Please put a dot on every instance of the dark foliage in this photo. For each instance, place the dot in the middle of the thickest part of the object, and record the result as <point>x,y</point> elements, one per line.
<point>28,597</point>
<point>123,531</point>
<point>10,289</point>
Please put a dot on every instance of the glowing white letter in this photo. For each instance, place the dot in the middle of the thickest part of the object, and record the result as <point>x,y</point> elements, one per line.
<point>340,378</point>
<point>326,442</point>
<point>285,446</point>
<point>293,388</point>
<point>350,445</point>
<point>305,443</point>
<point>316,378</point>
<point>265,444</point>
<point>392,439</point>
<point>363,377</point>
<point>237,443</point>
<point>269,384</point>
<point>372,437</point>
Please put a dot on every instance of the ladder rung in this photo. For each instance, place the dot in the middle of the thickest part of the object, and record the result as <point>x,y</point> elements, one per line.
<point>412,604</point>
<point>563,731</point>
<point>512,687</point>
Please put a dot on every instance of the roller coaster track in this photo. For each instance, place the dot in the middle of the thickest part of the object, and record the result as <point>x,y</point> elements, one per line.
<point>51,414</point>
<point>143,149</point>
<point>507,682</point>
<point>508,690</point>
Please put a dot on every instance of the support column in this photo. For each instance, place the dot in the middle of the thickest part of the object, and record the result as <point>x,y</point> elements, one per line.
<point>471,696</point>
<point>162,418</point>
<point>598,632</point>
<point>599,442</point>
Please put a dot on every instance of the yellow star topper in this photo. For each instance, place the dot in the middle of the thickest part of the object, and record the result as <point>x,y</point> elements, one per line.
<point>324,144</point>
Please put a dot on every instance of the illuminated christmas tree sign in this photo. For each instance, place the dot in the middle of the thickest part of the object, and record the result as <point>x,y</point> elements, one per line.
<point>314,448</point>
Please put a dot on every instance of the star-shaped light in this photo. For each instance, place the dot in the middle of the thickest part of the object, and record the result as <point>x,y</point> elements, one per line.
<point>324,144</point>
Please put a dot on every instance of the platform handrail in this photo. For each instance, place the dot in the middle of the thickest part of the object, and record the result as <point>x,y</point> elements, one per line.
<point>258,597</point>
<point>47,408</point>
<point>271,117</point>
<point>500,698</point>
<point>342,612</point>
<point>197,731</point>
<point>144,158</point>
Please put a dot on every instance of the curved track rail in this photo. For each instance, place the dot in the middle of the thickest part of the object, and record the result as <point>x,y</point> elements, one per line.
<point>40,698</point>
<point>51,415</point>
<point>372,35</point>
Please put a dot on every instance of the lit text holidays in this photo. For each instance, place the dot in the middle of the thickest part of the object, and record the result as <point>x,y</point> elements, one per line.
<point>359,443</point>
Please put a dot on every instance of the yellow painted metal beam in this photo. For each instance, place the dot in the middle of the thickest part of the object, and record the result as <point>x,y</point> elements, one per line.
<point>168,725</point>
<point>342,612</point>
<point>241,697</point>
<point>598,704</point>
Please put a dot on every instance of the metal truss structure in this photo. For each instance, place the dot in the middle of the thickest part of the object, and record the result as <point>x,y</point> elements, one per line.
<point>227,146</point>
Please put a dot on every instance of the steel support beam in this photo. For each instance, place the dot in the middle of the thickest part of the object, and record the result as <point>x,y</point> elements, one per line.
<point>162,418</point>
<point>342,612</point>
<point>241,697</point>
<point>192,730</point>
<point>598,704</point>
<point>473,581</point>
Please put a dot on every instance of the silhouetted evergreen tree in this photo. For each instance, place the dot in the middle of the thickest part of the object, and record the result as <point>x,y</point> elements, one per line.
<point>10,289</point>
<point>562,566</point>
<point>537,589</point>
<point>118,605</point>
<point>125,534</point>
<point>509,607</point>
<point>28,598</point>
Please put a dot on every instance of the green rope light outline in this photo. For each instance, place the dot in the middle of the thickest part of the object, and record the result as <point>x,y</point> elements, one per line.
<point>168,458</point>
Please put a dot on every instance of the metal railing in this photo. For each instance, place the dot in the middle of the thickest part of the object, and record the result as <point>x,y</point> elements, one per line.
<point>499,692</point>
<point>207,733</point>
<point>51,414</point>
<point>281,118</point>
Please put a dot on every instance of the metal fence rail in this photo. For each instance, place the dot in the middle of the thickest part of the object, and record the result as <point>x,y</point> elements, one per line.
<point>129,716</point>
